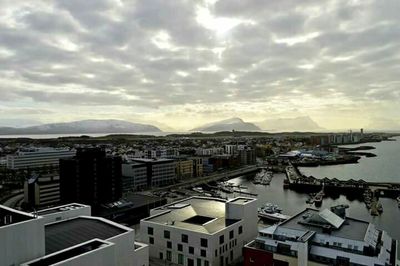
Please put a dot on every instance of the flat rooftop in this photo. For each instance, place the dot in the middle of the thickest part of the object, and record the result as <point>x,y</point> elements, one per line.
<point>69,253</point>
<point>351,229</point>
<point>11,216</point>
<point>204,215</point>
<point>63,208</point>
<point>68,233</point>
<point>145,160</point>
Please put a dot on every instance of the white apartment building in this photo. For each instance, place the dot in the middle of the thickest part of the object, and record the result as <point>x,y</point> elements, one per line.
<point>66,235</point>
<point>316,238</point>
<point>37,157</point>
<point>200,231</point>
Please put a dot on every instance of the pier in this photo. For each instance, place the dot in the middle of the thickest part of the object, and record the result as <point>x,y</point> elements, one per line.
<point>351,188</point>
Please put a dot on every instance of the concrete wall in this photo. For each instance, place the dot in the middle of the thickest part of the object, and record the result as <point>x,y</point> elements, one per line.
<point>22,242</point>
<point>141,257</point>
<point>85,210</point>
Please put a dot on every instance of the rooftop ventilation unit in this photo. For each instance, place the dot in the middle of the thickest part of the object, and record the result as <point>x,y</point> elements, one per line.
<point>7,219</point>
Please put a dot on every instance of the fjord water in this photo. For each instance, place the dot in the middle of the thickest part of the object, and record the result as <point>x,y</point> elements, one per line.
<point>383,168</point>
<point>292,203</point>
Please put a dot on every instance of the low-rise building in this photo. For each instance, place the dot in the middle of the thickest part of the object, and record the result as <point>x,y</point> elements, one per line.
<point>184,168</point>
<point>134,176</point>
<point>160,172</point>
<point>66,235</point>
<point>325,237</point>
<point>200,231</point>
<point>37,158</point>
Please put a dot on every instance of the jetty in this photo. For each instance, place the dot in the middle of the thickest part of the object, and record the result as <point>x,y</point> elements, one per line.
<point>295,180</point>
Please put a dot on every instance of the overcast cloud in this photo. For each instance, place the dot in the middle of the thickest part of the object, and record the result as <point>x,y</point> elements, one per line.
<point>186,62</point>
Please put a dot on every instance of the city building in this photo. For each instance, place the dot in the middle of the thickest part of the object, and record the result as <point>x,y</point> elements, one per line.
<point>209,151</point>
<point>134,176</point>
<point>160,172</point>
<point>325,237</point>
<point>247,156</point>
<point>91,177</point>
<point>231,149</point>
<point>184,168</point>
<point>66,235</point>
<point>37,158</point>
<point>41,190</point>
<point>200,231</point>
<point>197,166</point>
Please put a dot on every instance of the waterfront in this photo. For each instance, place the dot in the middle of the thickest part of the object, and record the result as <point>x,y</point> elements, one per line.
<point>383,168</point>
<point>292,202</point>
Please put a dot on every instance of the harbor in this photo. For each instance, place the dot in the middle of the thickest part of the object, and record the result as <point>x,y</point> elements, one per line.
<point>368,192</point>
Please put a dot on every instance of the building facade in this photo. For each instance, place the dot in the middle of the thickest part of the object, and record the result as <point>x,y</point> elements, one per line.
<point>42,189</point>
<point>200,231</point>
<point>134,176</point>
<point>160,172</point>
<point>91,177</point>
<point>184,168</point>
<point>37,158</point>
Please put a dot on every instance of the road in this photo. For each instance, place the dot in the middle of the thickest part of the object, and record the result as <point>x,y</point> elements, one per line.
<point>13,201</point>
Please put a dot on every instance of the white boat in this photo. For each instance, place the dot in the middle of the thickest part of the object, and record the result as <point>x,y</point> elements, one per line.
<point>276,217</point>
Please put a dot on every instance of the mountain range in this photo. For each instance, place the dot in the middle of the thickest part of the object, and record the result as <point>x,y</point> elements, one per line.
<point>302,123</point>
<point>83,127</point>
<point>228,125</point>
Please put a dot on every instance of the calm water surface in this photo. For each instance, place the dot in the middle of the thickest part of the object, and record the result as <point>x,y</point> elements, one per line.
<point>292,202</point>
<point>384,167</point>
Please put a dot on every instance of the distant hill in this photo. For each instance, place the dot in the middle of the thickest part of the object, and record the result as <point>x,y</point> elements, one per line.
<point>84,127</point>
<point>303,123</point>
<point>227,125</point>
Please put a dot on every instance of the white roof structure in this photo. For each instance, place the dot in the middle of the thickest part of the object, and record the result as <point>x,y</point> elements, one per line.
<point>331,218</point>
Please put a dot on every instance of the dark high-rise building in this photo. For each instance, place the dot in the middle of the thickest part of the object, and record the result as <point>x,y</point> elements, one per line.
<point>91,177</point>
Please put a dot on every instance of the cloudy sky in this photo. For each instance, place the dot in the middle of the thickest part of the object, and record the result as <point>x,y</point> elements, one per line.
<point>186,62</point>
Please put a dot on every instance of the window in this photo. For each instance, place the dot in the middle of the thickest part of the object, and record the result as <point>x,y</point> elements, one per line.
<point>169,255</point>
<point>161,256</point>
<point>216,253</point>
<point>206,263</point>
<point>203,253</point>
<point>240,230</point>
<point>231,235</point>
<point>185,238</point>
<point>150,230</point>
<point>180,259</point>
<point>169,244</point>
<point>151,240</point>
<point>180,247</point>
<point>203,242</point>
<point>231,254</point>
<point>221,239</point>
<point>167,234</point>
<point>198,262</point>
<point>191,250</point>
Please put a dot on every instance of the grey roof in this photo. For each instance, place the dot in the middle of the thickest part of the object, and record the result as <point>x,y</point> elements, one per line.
<point>351,228</point>
<point>72,232</point>
<point>178,214</point>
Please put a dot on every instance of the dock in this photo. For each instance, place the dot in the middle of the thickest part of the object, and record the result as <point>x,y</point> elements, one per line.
<point>356,189</point>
